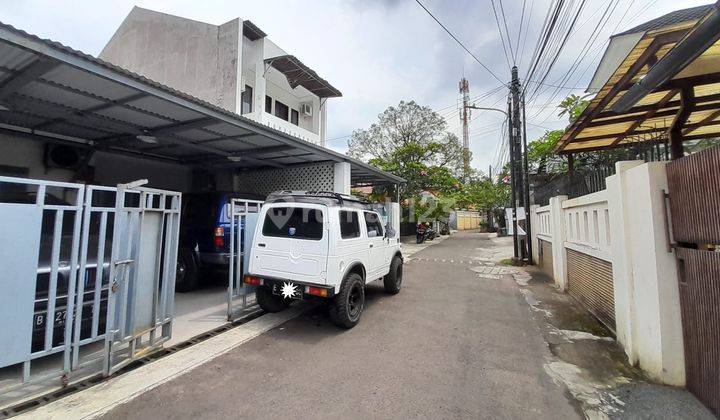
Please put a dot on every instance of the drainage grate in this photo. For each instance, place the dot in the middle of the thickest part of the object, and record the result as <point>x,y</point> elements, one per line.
<point>86,383</point>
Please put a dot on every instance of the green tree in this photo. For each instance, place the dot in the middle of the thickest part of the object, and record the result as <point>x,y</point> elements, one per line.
<point>411,141</point>
<point>573,106</point>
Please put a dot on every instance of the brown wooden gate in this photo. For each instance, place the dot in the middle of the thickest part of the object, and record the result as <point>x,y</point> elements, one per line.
<point>694,184</point>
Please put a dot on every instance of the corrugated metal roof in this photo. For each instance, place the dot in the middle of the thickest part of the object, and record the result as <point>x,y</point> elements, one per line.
<point>51,89</point>
<point>298,74</point>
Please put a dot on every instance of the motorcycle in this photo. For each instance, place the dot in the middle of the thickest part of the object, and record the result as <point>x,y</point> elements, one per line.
<point>424,232</point>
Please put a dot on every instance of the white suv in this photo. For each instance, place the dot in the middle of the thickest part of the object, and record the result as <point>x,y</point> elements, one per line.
<point>321,245</point>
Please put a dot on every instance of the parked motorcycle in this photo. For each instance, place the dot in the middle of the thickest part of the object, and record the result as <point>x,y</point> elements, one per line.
<point>424,232</point>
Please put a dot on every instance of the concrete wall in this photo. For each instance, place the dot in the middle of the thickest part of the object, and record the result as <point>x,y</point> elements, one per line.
<point>193,57</point>
<point>629,231</point>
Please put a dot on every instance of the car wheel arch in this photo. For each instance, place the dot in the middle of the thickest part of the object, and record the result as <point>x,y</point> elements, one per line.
<point>355,267</point>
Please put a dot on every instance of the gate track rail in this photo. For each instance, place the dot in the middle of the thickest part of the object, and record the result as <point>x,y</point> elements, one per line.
<point>49,397</point>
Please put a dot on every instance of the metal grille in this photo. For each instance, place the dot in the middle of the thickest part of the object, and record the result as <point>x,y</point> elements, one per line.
<point>699,275</point>
<point>694,197</point>
<point>546,257</point>
<point>574,184</point>
<point>590,281</point>
<point>308,177</point>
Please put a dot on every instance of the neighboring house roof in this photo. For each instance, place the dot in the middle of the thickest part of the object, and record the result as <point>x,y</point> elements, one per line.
<point>298,74</point>
<point>622,43</point>
<point>252,32</point>
<point>672,18</point>
<point>668,83</point>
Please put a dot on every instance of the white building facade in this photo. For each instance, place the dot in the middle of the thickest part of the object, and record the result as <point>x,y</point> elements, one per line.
<point>233,66</point>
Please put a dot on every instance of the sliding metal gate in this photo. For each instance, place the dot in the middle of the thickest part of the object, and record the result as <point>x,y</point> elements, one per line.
<point>243,219</point>
<point>695,210</point>
<point>87,279</point>
<point>147,225</point>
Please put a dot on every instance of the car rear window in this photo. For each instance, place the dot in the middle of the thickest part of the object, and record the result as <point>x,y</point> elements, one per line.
<point>293,222</point>
<point>349,224</point>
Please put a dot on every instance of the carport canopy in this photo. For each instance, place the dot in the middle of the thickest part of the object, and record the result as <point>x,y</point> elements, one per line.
<point>49,90</point>
<point>668,87</point>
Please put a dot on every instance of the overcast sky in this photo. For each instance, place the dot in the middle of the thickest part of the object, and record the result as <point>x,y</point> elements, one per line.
<point>377,52</point>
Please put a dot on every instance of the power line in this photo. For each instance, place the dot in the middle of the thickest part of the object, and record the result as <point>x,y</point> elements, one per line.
<point>459,43</point>
<point>507,31</point>
<point>502,38</point>
<point>517,42</point>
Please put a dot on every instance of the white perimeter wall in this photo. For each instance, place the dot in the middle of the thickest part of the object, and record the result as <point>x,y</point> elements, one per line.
<point>625,225</point>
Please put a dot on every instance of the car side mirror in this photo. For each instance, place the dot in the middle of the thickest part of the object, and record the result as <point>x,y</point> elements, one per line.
<point>389,232</point>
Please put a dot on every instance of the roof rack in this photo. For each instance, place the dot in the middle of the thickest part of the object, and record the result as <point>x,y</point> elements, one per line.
<point>341,198</point>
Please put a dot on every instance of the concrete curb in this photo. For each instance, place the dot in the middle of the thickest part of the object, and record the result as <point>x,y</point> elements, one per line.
<point>100,399</point>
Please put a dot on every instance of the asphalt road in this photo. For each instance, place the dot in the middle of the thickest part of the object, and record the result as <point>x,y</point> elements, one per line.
<point>450,345</point>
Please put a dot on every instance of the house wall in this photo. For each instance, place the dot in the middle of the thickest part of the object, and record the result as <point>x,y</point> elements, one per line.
<point>213,63</point>
<point>276,86</point>
<point>193,57</point>
<point>629,233</point>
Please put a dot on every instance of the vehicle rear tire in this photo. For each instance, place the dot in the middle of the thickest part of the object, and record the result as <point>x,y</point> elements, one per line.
<point>186,274</point>
<point>393,280</point>
<point>269,302</point>
<point>347,306</point>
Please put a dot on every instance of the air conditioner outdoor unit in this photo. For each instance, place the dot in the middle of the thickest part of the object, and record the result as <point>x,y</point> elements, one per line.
<point>306,109</point>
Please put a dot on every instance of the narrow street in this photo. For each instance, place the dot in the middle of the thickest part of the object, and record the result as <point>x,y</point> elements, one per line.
<point>452,344</point>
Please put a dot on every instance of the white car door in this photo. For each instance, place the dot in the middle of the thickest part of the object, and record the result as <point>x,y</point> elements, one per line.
<point>376,244</point>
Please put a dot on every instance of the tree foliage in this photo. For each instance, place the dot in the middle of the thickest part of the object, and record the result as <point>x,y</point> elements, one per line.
<point>411,141</point>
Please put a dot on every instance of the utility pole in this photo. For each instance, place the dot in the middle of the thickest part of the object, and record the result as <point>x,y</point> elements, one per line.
<point>516,151</point>
<point>528,228</point>
<point>465,115</point>
<point>513,202</point>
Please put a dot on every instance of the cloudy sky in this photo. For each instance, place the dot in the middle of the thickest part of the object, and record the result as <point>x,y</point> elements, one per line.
<point>380,52</point>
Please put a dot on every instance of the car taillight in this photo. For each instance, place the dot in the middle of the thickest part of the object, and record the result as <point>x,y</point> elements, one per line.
<point>317,291</point>
<point>219,237</point>
<point>253,281</point>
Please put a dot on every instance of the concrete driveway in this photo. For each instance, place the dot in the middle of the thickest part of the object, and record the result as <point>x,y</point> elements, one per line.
<point>450,345</point>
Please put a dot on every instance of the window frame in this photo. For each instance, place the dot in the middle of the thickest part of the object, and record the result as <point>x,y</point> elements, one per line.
<point>268,104</point>
<point>294,117</point>
<point>381,234</point>
<point>246,94</point>
<point>282,106</point>
<point>323,221</point>
<point>357,224</point>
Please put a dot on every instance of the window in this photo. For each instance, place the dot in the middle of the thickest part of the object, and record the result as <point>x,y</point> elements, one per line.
<point>372,222</point>
<point>349,224</point>
<point>293,222</point>
<point>294,116</point>
<point>246,100</point>
<point>281,110</point>
<point>268,104</point>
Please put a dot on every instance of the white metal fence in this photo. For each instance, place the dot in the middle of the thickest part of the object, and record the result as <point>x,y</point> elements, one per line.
<point>243,219</point>
<point>87,279</point>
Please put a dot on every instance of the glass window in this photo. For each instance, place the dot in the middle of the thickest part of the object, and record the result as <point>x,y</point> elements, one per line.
<point>349,224</point>
<point>372,222</point>
<point>268,105</point>
<point>281,110</point>
<point>293,222</point>
<point>294,116</point>
<point>246,99</point>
